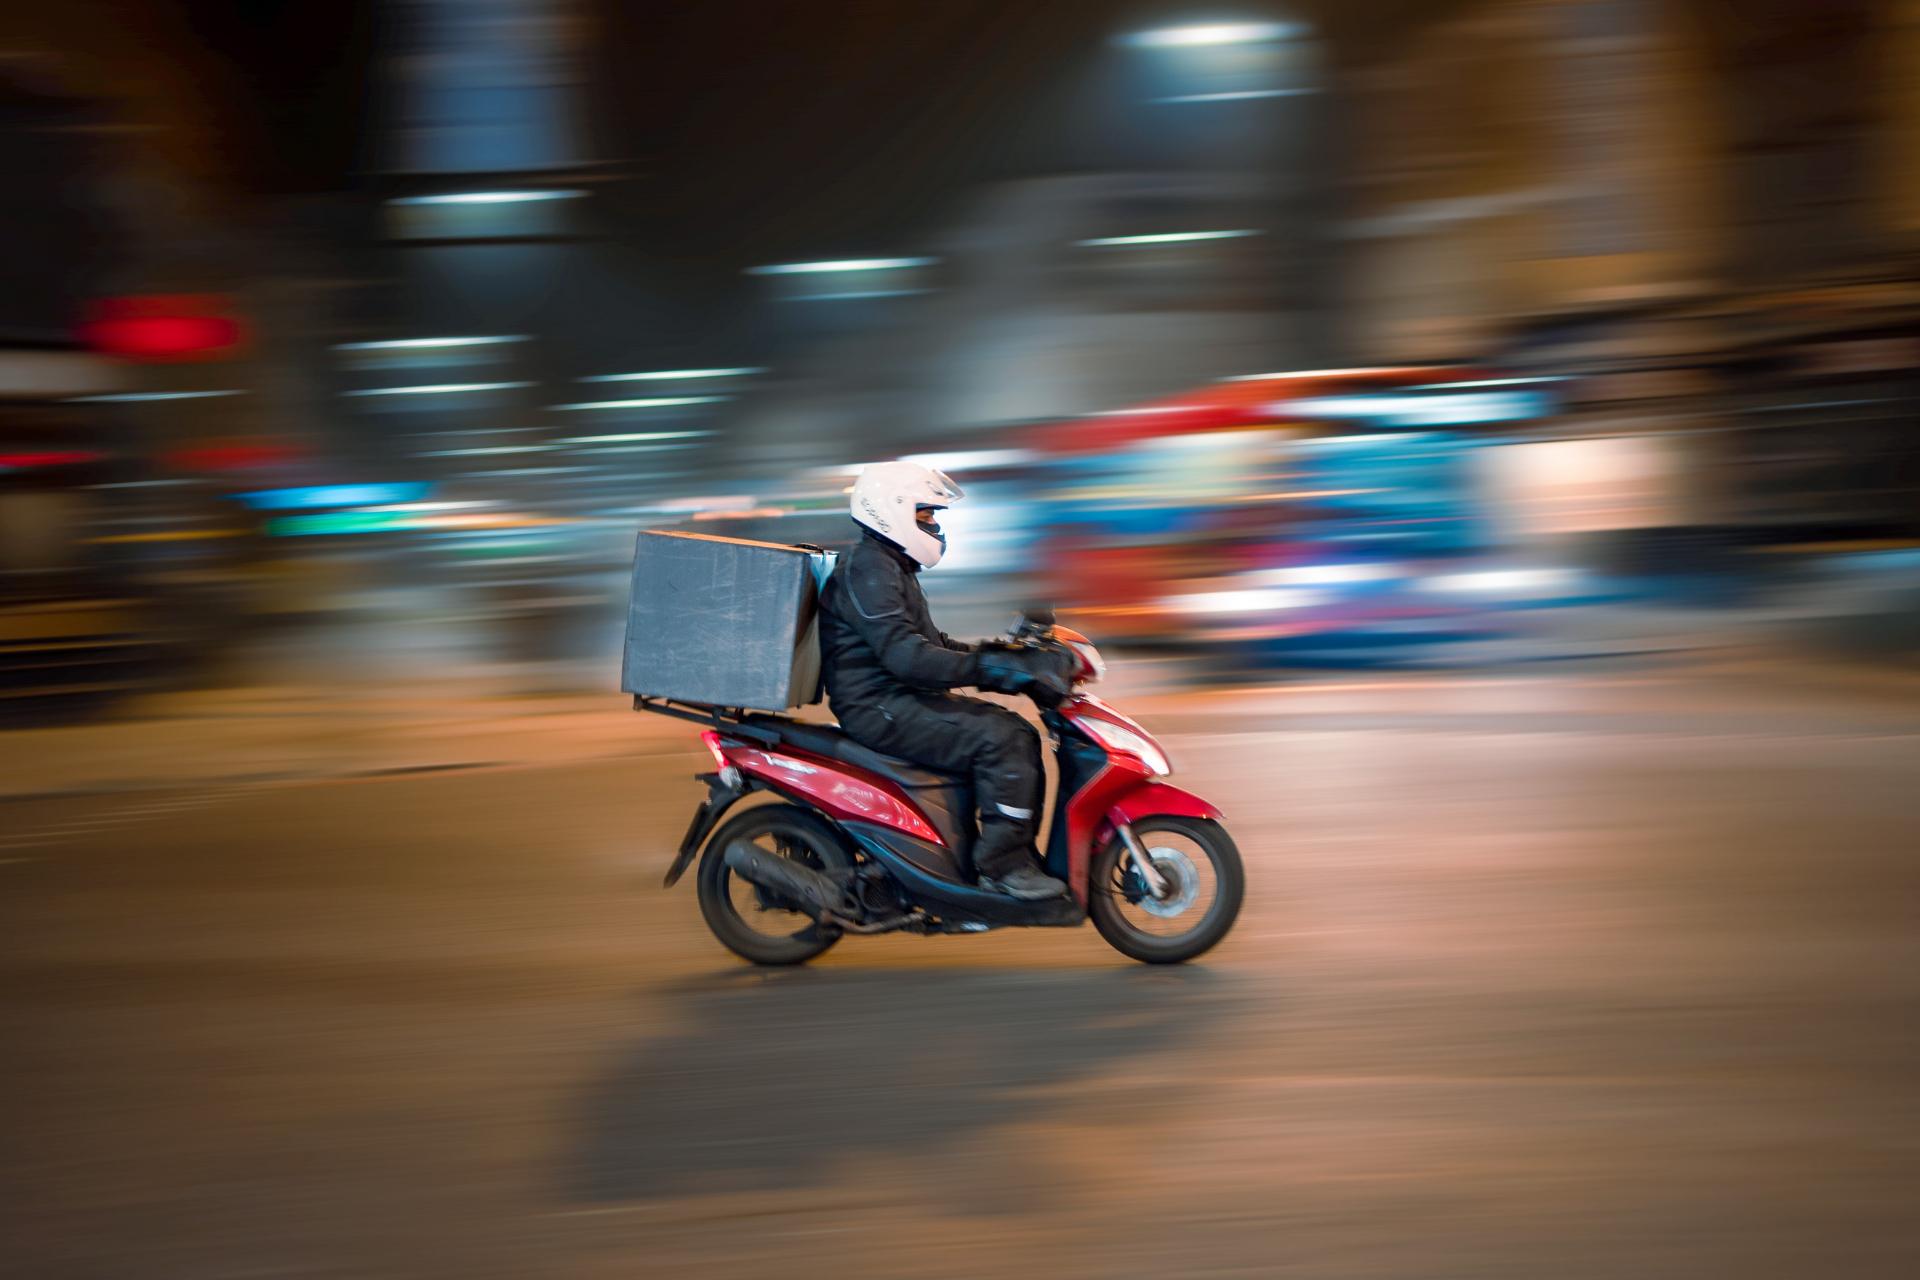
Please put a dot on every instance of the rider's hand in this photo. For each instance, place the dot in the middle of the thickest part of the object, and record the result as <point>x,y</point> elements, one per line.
<point>1044,674</point>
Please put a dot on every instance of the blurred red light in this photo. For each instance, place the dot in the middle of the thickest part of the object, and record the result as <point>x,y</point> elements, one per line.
<point>48,458</point>
<point>228,457</point>
<point>163,327</point>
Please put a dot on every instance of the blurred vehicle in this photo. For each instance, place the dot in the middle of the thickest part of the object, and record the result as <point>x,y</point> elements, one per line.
<point>1330,516</point>
<point>867,843</point>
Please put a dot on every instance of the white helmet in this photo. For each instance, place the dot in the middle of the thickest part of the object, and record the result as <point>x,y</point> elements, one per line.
<point>887,499</point>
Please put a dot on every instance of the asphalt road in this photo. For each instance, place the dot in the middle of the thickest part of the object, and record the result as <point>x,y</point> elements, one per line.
<point>1567,975</point>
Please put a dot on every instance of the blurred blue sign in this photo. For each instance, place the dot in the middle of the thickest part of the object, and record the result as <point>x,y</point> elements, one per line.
<point>311,497</point>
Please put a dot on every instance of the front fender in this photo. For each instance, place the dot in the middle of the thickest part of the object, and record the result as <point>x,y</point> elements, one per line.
<point>1153,799</point>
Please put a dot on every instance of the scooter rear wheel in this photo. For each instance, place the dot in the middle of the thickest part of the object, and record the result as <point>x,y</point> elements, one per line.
<point>1205,885</point>
<point>746,919</point>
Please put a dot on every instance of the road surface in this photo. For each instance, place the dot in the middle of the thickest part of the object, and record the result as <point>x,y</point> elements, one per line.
<point>1564,974</point>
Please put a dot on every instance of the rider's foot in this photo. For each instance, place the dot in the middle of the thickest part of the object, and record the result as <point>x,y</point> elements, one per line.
<point>1028,883</point>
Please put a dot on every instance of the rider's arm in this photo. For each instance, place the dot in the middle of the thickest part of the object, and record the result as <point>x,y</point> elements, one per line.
<point>879,614</point>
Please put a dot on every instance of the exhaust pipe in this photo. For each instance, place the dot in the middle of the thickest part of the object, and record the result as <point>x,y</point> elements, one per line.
<point>798,885</point>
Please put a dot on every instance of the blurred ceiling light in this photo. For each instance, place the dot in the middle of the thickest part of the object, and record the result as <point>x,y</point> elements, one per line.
<point>428,344</point>
<point>965,459</point>
<point>490,197</point>
<point>437,389</point>
<point>843,264</point>
<point>629,437</point>
<point>670,375</point>
<point>1168,237</point>
<point>1213,33</point>
<point>1237,95</point>
<point>473,431</point>
<point>128,397</point>
<point>635,448</point>
<point>653,402</point>
<point>483,450</point>
<point>849,295</point>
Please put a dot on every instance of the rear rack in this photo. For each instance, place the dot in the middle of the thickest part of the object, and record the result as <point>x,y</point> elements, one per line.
<point>732,719</point>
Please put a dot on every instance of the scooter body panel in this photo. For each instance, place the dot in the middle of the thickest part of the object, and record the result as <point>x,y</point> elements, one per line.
<point>839,790</point>
<point>1154,798</point>
<point>925,874</point>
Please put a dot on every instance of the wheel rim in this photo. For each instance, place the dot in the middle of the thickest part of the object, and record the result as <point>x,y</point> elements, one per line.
<point>760,912</point>
<point>1193,887</point>
<point>1182,879</point>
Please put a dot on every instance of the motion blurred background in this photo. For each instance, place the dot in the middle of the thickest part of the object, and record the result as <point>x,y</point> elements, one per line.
<point>1373,369</point>
<point>1412,332</point>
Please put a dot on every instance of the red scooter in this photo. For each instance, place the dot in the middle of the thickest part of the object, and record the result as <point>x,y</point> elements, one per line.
<point>860,842</point>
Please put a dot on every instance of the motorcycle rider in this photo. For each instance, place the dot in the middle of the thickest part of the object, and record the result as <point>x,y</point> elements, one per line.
<point>889,672</point>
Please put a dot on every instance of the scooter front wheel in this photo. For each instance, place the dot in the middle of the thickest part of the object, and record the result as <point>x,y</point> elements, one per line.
<point>1203,880</point>
<point>752,922</point>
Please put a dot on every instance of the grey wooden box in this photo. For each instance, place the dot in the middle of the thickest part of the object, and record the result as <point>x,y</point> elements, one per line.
<point>722,622</point>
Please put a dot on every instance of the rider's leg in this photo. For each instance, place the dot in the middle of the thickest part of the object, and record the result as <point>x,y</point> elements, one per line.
<point>992,744</point>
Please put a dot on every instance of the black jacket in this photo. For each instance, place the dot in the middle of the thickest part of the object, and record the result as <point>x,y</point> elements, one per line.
<point>877,638</point>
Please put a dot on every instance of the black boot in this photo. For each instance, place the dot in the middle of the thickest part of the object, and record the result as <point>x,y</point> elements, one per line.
<point>1027,882</point>
<point>1006,860</point>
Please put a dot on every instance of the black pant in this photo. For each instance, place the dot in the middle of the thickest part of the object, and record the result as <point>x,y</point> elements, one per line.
<point>999,750</point>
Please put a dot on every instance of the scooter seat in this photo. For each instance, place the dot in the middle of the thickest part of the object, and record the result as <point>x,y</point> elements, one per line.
<point>831,741</point>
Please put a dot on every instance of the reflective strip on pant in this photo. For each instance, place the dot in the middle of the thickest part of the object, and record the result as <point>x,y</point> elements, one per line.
<point>1011,812</point>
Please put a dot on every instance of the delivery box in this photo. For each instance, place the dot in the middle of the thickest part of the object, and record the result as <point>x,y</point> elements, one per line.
<point>723,622</point>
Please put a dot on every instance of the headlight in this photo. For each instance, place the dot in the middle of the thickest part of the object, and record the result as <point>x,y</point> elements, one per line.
<point>1117,737</point>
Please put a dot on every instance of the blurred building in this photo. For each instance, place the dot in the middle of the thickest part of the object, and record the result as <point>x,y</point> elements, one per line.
<point>1049,299</point>
<point>1526,156</point>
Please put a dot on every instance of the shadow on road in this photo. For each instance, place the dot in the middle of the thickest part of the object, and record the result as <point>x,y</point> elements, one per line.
<point>763,1081</point>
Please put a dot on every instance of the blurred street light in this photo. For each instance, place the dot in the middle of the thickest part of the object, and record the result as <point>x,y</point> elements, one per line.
<point>437,389</point>
<point>1237,95</point>
<point>1201,35</point>
<point>628,437</point>
<point>846,264</point>
<point>128,397</point>
<point>671,375</point>
<point>651,402</point>
<point>1168,237</point>
<point>490,197</point>
<point>428,344</point>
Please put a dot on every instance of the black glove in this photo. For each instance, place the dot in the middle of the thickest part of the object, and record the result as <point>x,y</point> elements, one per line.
<point>1045,675</point>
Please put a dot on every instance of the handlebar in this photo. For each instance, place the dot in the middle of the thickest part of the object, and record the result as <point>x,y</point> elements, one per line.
<point>1034,623</point>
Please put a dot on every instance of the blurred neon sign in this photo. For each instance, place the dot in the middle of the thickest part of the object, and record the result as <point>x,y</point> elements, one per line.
<point>1438,410</point>
<point>308,497</point>
<point>321,523</point>
<point>163,327</point>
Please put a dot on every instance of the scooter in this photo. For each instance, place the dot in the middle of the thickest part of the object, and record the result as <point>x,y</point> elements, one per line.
<point>864,843</point>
